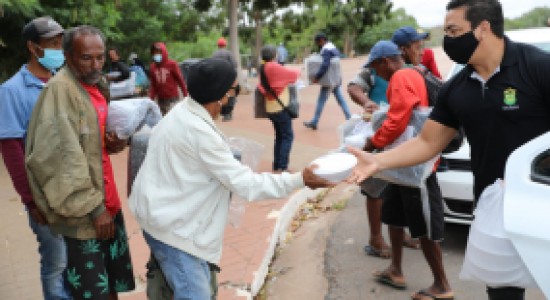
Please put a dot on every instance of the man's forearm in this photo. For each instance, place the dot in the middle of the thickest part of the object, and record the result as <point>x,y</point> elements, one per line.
<point>357,95</point>
<point>431,141</point>
<point>13,153</point>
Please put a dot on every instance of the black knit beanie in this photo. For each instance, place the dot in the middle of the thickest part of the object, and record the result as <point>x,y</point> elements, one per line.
<point>210,79</point>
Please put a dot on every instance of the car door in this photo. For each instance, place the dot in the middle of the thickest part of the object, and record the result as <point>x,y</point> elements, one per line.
<point>527,207</point>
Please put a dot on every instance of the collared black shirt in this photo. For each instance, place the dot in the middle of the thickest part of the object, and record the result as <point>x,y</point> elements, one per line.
<point>498,116</point>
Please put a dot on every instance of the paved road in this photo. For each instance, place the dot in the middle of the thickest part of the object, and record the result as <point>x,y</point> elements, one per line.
<point>348,269</point>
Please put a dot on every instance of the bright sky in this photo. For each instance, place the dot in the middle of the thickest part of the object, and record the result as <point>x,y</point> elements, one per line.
<point>429,13</point>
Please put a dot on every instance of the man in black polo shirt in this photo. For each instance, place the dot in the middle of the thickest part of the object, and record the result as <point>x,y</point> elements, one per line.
<point>501,98</point>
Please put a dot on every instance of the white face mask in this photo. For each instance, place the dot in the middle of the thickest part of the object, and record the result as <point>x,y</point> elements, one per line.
<point>157,58</point>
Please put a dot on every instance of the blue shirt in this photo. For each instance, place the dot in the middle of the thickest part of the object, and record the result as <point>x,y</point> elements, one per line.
<point>18,96</point>
<point>378,91</point>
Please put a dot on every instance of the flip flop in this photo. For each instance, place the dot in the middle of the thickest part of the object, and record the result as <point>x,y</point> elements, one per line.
<point>382,253</point>
<point>411,243</point>
<point>386,279</point>
<point>425,295</point>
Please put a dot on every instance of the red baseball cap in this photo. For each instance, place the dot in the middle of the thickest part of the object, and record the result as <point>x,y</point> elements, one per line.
<point>222,42</point>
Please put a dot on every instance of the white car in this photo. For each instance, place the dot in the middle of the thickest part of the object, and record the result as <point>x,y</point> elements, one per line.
<point>455,174</point>
<point>526,207</point>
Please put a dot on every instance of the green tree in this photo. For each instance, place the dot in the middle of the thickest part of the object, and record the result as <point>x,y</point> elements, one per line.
<point>537,17</point>
<point>384,30</point>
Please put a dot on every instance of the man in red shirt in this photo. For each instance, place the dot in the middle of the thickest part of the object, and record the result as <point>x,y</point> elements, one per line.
<point>165,77</point>
<point>420,209</point>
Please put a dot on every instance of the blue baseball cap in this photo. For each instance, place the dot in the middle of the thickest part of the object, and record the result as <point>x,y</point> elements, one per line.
<point>382,49</point>
<point>406,35</point>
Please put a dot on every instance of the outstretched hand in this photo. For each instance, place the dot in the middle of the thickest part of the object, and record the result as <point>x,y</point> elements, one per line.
<point>313,181</point>
<point>366,166</point>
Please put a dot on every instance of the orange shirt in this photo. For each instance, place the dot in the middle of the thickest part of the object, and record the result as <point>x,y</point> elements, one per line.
<point>406,91</point>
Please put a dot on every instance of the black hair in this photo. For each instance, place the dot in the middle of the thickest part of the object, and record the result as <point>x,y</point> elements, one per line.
<point>268,53</point>
<point>479,10</point>
<point>69,36</point>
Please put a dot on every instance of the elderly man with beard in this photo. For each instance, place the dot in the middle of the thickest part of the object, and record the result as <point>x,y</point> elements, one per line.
<point>70,173</point>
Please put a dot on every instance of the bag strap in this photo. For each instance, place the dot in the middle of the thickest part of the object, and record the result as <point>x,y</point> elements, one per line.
<point>263,81</point>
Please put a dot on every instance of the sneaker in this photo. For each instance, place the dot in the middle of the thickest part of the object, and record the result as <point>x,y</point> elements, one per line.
<point>310,125</point>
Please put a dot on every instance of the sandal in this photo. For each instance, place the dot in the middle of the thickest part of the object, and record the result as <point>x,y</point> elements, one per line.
<point>425,295</point>
<point>411,243</point>
<point>385,278</point>
<point>382,253</point>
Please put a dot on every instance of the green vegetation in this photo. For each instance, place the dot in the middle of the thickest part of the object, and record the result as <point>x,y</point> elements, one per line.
<point>190,28</point>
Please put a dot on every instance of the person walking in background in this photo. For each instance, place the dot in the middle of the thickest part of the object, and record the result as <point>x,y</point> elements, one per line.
<point>18,95</point>
<point>165,77</point>
<point>223,53</point>
<point>183,209</point>
<point>277,78</point>
<point>117,69</point>
<point>70,172</point>
<point>328,51</point>
<point>282,54</point>
<point>421,210</point>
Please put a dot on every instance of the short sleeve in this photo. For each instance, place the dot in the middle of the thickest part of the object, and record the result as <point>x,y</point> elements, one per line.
<point>442,112</point>
<point>362,80</point>
<point>12,120</point>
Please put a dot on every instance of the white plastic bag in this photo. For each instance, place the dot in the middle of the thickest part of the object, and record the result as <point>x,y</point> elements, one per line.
<point>333,76</point>
<point>129,115</point>
<point>237,208</point>
<point>490,255</point>
<point>414,176</point>
<point>249,152</point>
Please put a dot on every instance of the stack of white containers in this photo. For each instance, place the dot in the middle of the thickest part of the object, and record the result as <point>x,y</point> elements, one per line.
<point>490,256</point>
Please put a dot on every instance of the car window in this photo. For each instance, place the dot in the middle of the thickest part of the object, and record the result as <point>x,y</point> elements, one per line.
<point>541,168</point>
<point>543,46</point>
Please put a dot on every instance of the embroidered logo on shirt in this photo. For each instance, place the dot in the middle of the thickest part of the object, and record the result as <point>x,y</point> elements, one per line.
<point>510,99</point>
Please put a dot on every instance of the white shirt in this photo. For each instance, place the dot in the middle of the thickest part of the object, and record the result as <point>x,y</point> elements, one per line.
<point>181,193</point>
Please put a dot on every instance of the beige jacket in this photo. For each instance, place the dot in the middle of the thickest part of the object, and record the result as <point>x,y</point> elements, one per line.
<point>63,156</point>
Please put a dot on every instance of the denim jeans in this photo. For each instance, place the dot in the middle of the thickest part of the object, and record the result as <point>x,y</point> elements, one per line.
<point>322,99</point>
<point>53,260</point>
<point>282,123</point>
<point>188,276</point>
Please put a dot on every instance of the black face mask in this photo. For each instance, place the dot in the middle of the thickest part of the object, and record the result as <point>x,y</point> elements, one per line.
<point>460,49</point>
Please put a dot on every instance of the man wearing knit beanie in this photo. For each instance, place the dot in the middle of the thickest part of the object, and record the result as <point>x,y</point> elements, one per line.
<point>181,194</point>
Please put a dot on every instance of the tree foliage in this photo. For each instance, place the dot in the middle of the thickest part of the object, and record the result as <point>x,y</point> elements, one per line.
<point>538,17</point>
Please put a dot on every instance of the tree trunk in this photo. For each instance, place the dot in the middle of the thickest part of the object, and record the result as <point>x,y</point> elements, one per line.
<point>234,32</point>
<point>258,44</point>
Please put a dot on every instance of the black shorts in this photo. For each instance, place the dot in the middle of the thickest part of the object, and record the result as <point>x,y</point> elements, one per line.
<point>421,212</point>
<point>96,268</point>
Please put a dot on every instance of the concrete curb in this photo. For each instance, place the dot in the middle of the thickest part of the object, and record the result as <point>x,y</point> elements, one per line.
<point>284,218</point>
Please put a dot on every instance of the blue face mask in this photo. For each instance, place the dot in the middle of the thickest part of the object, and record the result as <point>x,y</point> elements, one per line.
<point>157,58</point>
<point>53,59</point>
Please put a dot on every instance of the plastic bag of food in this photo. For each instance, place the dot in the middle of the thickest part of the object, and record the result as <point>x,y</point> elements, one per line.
<point>409,176</point>
<point>247,151</point>
<point>127,116</point>
<point>491,258</point>
<point>333,76</point>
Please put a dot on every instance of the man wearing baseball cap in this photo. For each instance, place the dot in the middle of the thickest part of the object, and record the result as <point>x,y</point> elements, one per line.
<point>420,211</point>
<point>223,53</point>
<point>410,42</point>
<point>42,37</point>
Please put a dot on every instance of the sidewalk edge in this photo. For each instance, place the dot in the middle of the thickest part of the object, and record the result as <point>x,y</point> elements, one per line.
<point>279,234</point>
